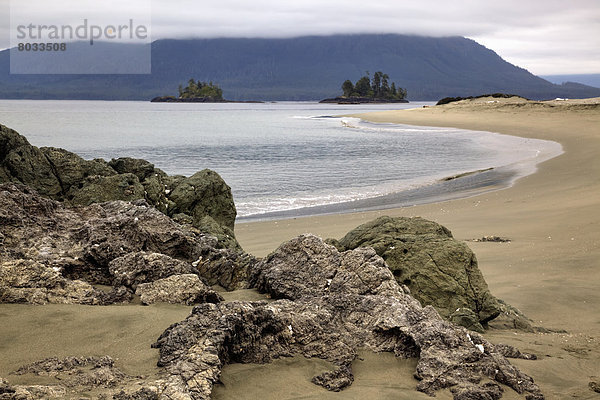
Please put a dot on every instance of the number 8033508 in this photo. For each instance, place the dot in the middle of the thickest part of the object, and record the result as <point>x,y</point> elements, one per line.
<point>42,46</point>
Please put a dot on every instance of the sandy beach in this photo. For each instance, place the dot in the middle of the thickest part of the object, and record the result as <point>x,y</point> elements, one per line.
<point>550,269</point>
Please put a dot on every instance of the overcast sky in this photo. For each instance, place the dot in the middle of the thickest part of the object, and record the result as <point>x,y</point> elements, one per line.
<point>542,36</point>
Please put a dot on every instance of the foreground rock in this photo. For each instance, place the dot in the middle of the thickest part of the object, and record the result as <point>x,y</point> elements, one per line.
<point>439,270</point>
<point>61,175</point>
<point>331,304</point>
<point>54,254</point>
<point>185,289</point>
<point>31,282</point>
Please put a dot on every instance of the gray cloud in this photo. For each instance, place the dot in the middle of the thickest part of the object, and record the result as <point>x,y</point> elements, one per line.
<point>543,36</point>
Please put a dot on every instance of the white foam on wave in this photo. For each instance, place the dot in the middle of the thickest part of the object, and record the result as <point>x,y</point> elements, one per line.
<point>516,154</point>
<point>270,204</point>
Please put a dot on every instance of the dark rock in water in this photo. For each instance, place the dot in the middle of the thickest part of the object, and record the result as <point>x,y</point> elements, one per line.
<point>439,270</point>
<point>52,253</point>
<point>64,176</point>
<point>205,193</point>
<point>332,321</point>
<point>185,289</point>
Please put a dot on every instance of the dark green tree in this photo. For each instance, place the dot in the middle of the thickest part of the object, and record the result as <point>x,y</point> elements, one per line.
<point>348,88</point>
<point>378,88</point>
<point>376,85</point>
<point>363,86</point>
<point>200,89</point>
<point>385,87</point>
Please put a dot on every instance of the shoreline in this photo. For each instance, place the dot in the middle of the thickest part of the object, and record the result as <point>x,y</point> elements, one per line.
<point>464,185</point>
<point>550,268</point>
<point>457,184</point>
<point>452,187</point>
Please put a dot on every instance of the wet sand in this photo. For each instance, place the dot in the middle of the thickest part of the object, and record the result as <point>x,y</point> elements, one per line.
<point>31,333</point>
<point>551,269</point>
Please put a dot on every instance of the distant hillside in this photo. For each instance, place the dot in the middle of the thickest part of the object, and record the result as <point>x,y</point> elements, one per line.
<point>305,68</point>
<point>584,79</point>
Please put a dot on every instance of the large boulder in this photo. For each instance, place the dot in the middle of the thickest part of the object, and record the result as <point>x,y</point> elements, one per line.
<point>99,189</point>
<point>156,184</point>
<point>305,266</point>
<point>439,270</point>
<point>139,267</point>
<point>52,172</point>
<point>21,162</point>
<point>205,193</point>
<point>61,175</point>
<point>73,170</point>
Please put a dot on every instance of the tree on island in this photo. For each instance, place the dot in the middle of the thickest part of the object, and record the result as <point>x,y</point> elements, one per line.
<point>378,88</point>
<point>200,89</point>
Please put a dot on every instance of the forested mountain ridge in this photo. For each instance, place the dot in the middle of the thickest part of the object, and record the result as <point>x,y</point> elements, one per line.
<point>303,68</point>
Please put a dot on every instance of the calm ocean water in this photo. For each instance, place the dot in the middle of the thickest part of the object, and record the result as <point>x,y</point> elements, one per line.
<point>275,156</point>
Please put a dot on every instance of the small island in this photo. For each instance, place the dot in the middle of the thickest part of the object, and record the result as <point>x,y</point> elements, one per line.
<point>364,90</point>
<point>198,92</point>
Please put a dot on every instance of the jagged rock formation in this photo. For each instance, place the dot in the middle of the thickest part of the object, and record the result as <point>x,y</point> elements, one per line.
<point>26,281</point>
<point>54,254</point>
<point>72,374</point>
<point>439,270</point>
<point>177,289</point>
<point>329,304</point>
<point>139,267</point>
<point>351,301</point>
<point>61,175</point>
